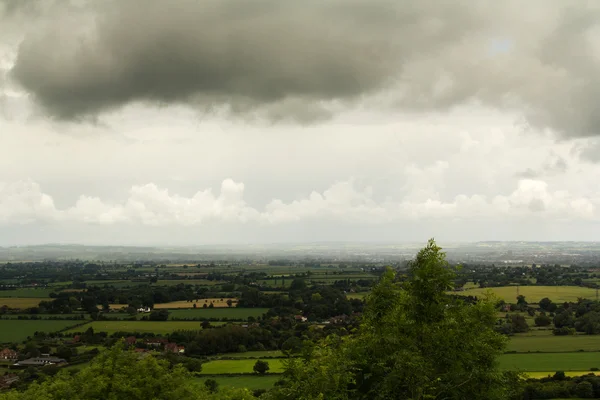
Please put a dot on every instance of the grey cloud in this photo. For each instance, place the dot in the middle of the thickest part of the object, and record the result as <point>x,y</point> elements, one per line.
<point>281,57</point>
<point>244,54</point>
<point>589,151</point>
<point>554,165</point>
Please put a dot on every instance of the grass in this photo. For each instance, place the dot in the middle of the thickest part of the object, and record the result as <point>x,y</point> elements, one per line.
<point>231,313</point>
<point>254,354</point>
<point>551,343</point>
<point>579,361</point>
<point>533,294</point>
<point>19,302</point>
<point>14,331</point>
<point>158,327</point>
<point>544,374</point>
<point>360,296</point>
<point>39,293</point>
<point>220,367</point>
<point>249,382</point>
<point>187,304</point>
<point>173,282</point>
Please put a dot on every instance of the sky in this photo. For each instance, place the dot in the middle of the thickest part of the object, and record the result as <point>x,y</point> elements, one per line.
<point>147,122</point>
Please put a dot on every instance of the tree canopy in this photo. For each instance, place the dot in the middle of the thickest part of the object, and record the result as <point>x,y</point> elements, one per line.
<point>415,342</point>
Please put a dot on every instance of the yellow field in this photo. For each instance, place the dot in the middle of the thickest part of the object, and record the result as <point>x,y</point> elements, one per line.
<point>20,302</point>
<point>533,294</point>
<point>186,304</point>
<point>544,374</point>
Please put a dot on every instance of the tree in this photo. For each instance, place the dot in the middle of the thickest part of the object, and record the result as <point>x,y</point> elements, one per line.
<point>160,315</point>
<point>261,367</point>
<point>547,305</point>
<point>229,302</point>
<point>205,324</point>
<point>542,320</point>
<point>584,390</point>
<point>211,385</point>
<point>519,324</point>
<point>64,352</point>
<point>415,342</point>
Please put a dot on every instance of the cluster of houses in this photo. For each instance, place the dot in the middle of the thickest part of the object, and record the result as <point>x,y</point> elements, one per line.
<point>154,344</point>
<point>7,354</point>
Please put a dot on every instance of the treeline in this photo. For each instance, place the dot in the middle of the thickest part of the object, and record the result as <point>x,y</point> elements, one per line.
<point>564,387</point>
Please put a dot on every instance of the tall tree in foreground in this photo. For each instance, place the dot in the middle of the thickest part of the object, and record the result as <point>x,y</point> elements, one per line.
<point>415,342</point>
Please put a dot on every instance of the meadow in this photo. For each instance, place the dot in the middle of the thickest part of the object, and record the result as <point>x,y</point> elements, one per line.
<point>533,294</point>
<point>39,293</point>
<point>578,361</point>
<point>220,312</point>
<point>554,344</point>
<point>158,327</point>
<point>19,330</point>
<point>219,367</point>
<point>251,382</point>
<point>254,354</point>
<point>20,302</point>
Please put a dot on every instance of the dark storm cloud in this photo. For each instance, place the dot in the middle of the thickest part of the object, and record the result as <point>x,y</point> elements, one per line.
<point>285,57</point>
<point>248,54</point>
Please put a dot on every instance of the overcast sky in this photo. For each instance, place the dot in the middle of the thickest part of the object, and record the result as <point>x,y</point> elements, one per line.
<point>236,121</point>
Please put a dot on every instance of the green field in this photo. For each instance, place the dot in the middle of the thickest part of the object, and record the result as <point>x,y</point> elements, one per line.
<point>244,381</point>
<point>254,354</point>
<point>173,282</point>
<point>231,313</point>
<point>549,343</point>
<point>158,327</point>
<point>219,367</point>
<point>579,361</point>
<point>533,294</point>
<point>18,330</point>
<point>39,293</point>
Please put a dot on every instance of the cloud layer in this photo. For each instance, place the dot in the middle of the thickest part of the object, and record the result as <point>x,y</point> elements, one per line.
<point>297,60</point>
<point>25,202</point>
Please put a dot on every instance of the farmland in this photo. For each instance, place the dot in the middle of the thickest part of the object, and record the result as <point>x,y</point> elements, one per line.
<point>550,344</point>
<point>220,302</point>
<point>158,327</point>
<point>27,293</point>
<point>19,302</point>
<point>251,382</point>
<point>230,313</point>
<point>241,366</point>
<point>579,361</point>
<point>533,294</point>
<point>18,330</point>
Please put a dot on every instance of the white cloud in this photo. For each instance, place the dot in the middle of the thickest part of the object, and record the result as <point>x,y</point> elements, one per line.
<point>24,202</point>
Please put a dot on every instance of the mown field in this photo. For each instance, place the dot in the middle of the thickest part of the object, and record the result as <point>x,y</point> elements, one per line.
<point>250,382</point>
<point>20,302</point>
<point>158,327</point>
<point>19,330</point>
<point>220,312</point>
<point>220,367</point>
<point>28,292</point>
<point>254,354</point>
<point>578,361</point>
<point>533,294</point>
<point>549,343</point>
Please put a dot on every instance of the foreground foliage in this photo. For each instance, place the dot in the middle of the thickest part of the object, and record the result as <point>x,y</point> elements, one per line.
<point>415,342</point>
<point>119,374</point>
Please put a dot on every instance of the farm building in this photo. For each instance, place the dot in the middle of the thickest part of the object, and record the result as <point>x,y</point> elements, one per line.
<point>40,362</point>
<point>8,354</point>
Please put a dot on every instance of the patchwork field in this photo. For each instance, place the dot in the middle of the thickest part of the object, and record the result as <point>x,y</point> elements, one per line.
<point>219,367</point>
<point>20,302</point>
<point>231,313</point>
<point>579,361</point>
<point>533,294</point>
<point>19,330</point>
<point>158,327</point>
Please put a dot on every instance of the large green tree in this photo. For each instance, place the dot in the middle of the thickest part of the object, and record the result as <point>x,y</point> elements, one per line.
<point>117,374</point>
<point>415,342</point>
